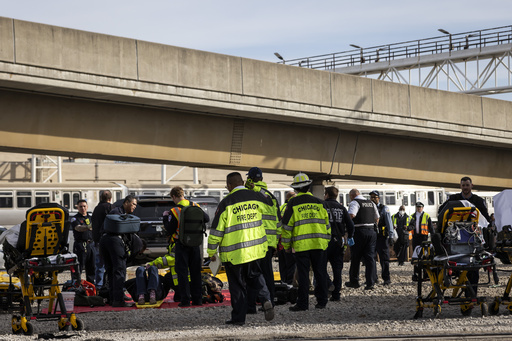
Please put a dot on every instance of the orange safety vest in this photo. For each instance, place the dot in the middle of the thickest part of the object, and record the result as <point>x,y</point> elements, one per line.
<point>423,225</point>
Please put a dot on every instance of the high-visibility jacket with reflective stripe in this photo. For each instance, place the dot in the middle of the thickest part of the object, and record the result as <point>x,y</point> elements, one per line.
<point>167,261</point>
<point>424,228</point>
<point>271,215</point>
<point>305,224</point>
<point>237,229</point>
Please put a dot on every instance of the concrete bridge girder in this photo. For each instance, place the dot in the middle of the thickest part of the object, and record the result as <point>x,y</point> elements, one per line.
<point>78,128</point>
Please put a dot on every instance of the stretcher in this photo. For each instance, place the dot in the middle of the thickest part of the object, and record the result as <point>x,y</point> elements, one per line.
<point>35,262</point>
<point>450,263</point>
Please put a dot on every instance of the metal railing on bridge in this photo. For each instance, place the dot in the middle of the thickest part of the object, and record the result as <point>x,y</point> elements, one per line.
<point>415,48</point>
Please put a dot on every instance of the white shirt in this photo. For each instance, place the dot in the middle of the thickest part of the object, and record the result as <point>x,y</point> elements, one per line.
<point>353,207</point>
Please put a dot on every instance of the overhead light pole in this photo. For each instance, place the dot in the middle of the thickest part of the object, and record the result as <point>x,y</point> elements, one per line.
<point>361,50</point>
<point>467,40</point>
<point>280,57</point>
<point>378,50</point>
<point>450,37</point>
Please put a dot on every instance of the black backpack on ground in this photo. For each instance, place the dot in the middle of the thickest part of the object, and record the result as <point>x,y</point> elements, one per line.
<point>192,225</point>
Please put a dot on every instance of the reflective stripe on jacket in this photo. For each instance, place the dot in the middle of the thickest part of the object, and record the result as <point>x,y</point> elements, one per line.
<point>271,215</point>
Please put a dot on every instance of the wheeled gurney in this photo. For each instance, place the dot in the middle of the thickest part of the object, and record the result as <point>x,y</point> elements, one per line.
<point>37,259</point>
<point>452,261</point>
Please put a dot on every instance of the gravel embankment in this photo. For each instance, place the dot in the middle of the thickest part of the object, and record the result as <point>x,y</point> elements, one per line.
<point>385,311</point>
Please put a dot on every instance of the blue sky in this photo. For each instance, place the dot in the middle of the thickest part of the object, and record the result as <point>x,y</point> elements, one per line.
<point>257,29</point>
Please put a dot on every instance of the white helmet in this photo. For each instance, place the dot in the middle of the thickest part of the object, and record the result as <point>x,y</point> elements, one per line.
<point>301,180</point>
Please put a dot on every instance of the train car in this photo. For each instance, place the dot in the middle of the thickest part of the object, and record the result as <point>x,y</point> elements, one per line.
<point>16,199</point>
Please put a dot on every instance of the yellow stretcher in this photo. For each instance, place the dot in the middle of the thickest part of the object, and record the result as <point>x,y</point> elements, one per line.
<point>41,254</point>
<point>451,262</point>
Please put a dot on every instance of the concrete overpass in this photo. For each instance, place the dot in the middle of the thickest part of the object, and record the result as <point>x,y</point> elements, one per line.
<point>83,94</point>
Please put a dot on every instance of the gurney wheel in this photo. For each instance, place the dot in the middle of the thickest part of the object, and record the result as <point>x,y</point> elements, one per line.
<point>485,309</point>
<point>466,309</point>
<point>79,325</point>
<point>495,307</point>
<point>16,326</point>
<point>30,329</point>
<point>437,311</point>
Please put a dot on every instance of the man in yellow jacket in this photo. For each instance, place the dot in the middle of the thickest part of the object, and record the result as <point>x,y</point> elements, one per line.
<point>239,234</point>
<point>306,229</point>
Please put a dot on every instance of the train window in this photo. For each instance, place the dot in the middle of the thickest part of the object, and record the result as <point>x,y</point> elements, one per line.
<point>347,198</point>
<point>341,199</point>
<point>277,194</point>
<point>66,200</point>
<point>24,198</point>
<point>413,199</point>
<point>406,200</point>
<point>440,198</point>
<point>431,198</point>
<point>76,197</point>
<point>389,198</point>
<point>117,195</point>
<point>42,197</point>
<point>6,199</point>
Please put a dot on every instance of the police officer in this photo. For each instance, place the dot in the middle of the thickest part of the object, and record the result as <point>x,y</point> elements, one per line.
<point>239,234</point>
<point>83,246</point>
<point>114,253</point>
<point>385,234</point>
<point>340,223</point>
<point>306,229</point>
<point>365,216</point>
<point>400,223</point>
<point>188,258</point>
<point>272,223</point>
<point>420,226</point>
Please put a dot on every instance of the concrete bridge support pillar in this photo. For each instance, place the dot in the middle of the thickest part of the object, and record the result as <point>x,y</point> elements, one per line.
<point>318,188</point>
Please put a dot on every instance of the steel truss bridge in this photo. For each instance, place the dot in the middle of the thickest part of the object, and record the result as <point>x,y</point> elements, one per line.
<point>476,62</point>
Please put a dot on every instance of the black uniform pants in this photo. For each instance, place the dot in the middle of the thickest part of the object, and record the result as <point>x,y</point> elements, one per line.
<point>365,241</point>
<point>317,260</point>
<point>382,248</point>
<point>401,251</point>
<point>188,261</point>
<point>417,239</point>
<point>242,277</point>
<point>114,254</point>
<point>335,254</point>
<point>86,254</point>
<point>286,266</point>
<point>268,274</point>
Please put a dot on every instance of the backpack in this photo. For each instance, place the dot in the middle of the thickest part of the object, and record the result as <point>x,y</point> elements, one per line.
<point>192,225</point>
<point>212,289</point>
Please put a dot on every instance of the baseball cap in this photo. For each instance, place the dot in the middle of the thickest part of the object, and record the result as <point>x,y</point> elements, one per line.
<point>375,192</point>
<point>255,172</point>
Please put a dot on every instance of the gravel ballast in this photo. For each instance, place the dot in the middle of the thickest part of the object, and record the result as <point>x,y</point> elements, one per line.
<point>384,311</point>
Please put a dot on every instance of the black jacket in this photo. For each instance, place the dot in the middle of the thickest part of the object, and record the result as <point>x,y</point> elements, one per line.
<point>479,203</point>
<point>98,217</point>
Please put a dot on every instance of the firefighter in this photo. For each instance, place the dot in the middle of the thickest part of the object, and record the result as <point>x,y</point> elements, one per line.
<point>306,229</point>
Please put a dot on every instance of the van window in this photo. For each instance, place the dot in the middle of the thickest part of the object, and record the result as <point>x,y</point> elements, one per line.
<point>6,199</point>
<point>24,198</point>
